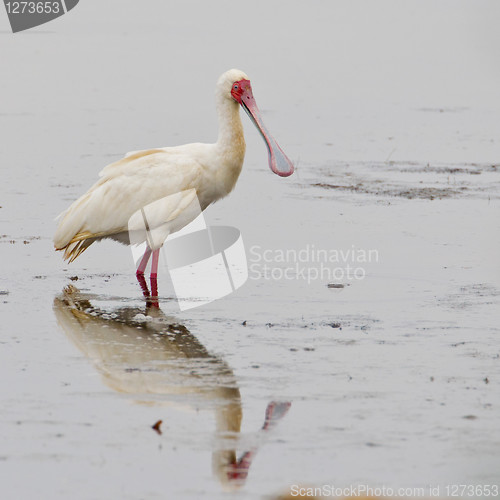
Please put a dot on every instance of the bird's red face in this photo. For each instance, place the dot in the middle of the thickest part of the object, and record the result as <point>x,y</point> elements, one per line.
<point>238,88</point>
<point>241,92</point>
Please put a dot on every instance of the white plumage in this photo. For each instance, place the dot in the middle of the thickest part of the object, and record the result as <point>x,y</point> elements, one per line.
<point>143,177</point>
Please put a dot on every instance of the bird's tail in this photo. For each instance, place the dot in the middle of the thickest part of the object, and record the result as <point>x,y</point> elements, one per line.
<point>78,244</point>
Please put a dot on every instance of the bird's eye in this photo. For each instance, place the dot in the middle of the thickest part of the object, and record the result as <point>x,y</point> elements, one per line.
<point>235,86</point>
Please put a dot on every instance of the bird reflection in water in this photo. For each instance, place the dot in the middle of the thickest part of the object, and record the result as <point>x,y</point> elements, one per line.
<point>149,354</point>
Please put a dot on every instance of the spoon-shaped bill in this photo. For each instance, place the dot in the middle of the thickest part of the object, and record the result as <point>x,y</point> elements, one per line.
<point>279,163</point>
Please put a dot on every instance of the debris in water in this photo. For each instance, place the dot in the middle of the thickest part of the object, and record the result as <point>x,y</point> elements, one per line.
<point>486,380</point>
<point>244,323</point>
<point>470,417</point>
<point>335,325</point>
<point>73,278</point>
<point>156,427</point>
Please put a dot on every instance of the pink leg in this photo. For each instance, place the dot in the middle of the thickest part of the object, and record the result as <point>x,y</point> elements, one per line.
<point>154,264</point>
<point>144,286</point>
<point>151,301</point>
<point>144,262</point>
<point>154,278</point>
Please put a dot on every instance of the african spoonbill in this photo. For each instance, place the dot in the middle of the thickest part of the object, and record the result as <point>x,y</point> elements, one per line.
<point>142,177</point>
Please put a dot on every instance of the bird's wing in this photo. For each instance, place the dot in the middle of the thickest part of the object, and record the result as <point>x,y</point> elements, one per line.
<point>129,186</point>
<point>129,159</point>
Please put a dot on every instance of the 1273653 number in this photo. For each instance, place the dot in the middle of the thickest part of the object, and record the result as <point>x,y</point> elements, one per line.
<point>472,490</point>
<point>41,7</point>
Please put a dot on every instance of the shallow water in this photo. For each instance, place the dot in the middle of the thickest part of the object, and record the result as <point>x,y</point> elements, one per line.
<point>304,375</point>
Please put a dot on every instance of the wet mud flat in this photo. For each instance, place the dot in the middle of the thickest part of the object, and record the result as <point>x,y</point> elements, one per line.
<point>390,379</point>
<point>383,374</point>
<point>413,180</point>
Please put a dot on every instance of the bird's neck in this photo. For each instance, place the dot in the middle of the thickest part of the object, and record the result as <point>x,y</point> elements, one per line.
<point>231,141</point>
<point>229,153</point>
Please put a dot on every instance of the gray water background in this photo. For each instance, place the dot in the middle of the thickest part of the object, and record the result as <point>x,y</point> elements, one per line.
<point>391,112</point>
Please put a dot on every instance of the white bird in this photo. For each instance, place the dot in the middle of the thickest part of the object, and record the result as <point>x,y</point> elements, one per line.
<point>177,174</point>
